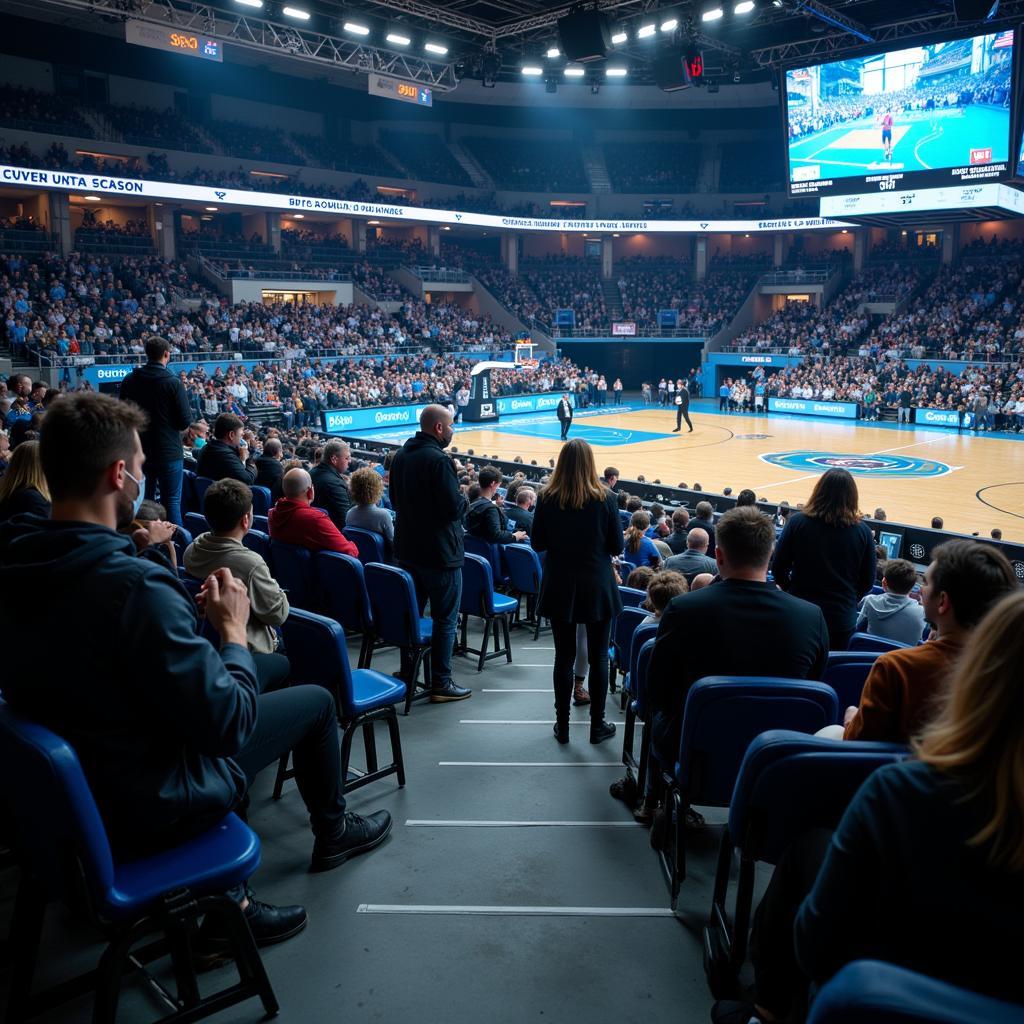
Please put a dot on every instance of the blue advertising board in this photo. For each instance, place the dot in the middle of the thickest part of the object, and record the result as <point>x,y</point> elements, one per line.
<point>810,407</point>
<point>937,417</point>
<point>111,373</point>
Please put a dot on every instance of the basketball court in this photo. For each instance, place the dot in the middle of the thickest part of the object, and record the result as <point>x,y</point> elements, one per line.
<point>914,473</point>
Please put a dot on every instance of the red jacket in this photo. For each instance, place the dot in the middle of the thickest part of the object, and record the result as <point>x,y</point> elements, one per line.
<point>296,522</point>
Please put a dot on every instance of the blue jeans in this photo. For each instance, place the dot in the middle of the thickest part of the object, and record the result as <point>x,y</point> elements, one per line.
<point>443,588</point>
<point>167,480</point>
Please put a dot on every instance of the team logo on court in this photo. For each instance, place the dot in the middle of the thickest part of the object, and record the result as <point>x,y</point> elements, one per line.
<point>860,465</point>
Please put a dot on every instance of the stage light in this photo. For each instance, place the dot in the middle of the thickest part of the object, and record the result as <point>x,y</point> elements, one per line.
<point>574,72</point>
<point>295,12</point>
<point>553,52</point>
<point>99,199</point>
<point>439,48</point>
<point>616,72</point>
<point>356,28</point>
<point>620,37</point>
<point>250,3</point>
<point>211,209</point>
<point>398,38</point>
<point>670,25</point>
<point>298,216</point>
<point>712,15</point>
<point>646,31</point>
<point>743,7</point>
<point>532,69</point>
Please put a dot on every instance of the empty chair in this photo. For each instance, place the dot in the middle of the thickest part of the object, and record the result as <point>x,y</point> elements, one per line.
<point>632,597</point>
<point>846,672</point>
<point>622,640</point>
<point>258,541</point>
<point>59,838</point>
<point>261,500</point>
<point>201,485</point>
<point>480,601</point>
<point>869,990</point>
<point>189,500</point>
<point>261,523</point>
<point>870,642</point>
<point>196,523</point>
<point>293,569</point>
<point>345,598</point>
<point>788,783</point>
<point>318,654</point>
<point>524,570</point>
<point>369,544</point>
<point>398,623</point>
<point>490,552</point>
<point>721,717</point>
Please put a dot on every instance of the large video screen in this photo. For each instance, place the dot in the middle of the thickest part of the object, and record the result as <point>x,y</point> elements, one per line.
<point>922,117</point>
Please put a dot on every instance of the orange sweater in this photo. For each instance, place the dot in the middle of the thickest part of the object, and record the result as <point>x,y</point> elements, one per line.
<point>901,690</point>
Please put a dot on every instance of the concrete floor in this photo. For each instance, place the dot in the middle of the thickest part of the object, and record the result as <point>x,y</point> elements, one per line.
<point>356,966</point>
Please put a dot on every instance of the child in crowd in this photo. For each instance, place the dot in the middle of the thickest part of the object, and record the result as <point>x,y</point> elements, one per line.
<point>894,614</point>
<point>663,587</point>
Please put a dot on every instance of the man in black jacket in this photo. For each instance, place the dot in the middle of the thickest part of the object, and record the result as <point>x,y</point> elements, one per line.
<point>704,519</point>
<point>269,468</point>
<point>330,486</point>
<point>484,518</point>
<point>564,413</point>
<point>161,396</point>
<point>430,508</point>
<point>170,731</point>
<point>521,514</point>
<point>682,401</point>
<point>225,456</point>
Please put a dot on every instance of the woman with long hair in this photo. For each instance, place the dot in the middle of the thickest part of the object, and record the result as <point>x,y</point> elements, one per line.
<point>826,554</point>
<point>23,487</point>
<point>576,523</point>
<point>638,548</point>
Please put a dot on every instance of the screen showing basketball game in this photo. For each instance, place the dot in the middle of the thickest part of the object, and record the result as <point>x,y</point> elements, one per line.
<point>921,117</point>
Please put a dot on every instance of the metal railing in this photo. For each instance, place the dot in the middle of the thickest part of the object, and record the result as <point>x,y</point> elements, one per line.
<point>681,331</point>
<point>788,277</point>
<point>447,275</point>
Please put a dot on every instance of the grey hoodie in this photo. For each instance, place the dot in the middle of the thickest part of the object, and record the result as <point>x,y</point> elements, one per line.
<point>894,616</point>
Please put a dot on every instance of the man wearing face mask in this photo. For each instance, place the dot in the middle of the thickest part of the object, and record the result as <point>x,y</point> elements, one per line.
<point>430,509</point>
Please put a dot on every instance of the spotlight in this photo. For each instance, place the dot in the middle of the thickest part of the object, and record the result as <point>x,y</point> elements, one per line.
<point>574,72</point>
<point>436,48</point>
<point>397,37</point>
<point>295,12</point>
<point>646,31</point>
<point>712,15</point>
<point>743,7</point>
<point>553,52</point>
<point>250,3</point>
<point>670,25</point>
<point>356,28</point>
<point>531,70</point>
<point>616,72</point>
<point>620,37</point>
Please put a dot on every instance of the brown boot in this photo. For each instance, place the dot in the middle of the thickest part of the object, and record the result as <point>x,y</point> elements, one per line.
<point>579,693</point>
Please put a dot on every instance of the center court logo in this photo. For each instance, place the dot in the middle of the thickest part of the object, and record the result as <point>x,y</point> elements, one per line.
<point>890,466</point>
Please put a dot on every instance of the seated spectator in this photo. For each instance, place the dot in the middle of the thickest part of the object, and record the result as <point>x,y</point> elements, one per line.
<point>520,515</point>
<point>664,586</point>
<point>485,519</point>
<point>224,457</point>
<point>694,560</point>
<point>937,522</point>
<point>963,580</point>
<point>639,549</point>
<point>640,578</point>
<point>894,614</point>
<point>151,532</point>
<point>676,540</point>
<point>701,580</point>
<point>704,519</point>
<point>228,510</point>
<point>170,731</point>
<point>330,482</point>
<point>293,520</point>
<point>23,487</point>
<point>366,488</point>
<point>269,469</point>
<point>746,497</point>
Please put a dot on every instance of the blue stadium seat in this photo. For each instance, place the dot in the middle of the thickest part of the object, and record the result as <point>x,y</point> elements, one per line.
<point>788,783</point>
<point>622,642</point>
<point>479,600</point>
<point>640,636</point>
<point>202,483</point>
<point>524,570</point>
<point>637,710</point>
<point>632,597</point>
<point>258,541</point>
<point>869,990</point>
<point>196,523</point>
<point>261,523</point>
<point>345,598</point>
<point>292,567</point>
<point>491,552</point>
<point>370,544</point>
<point>189,498</point>
<point>846,672</point>
<point>721,718</point>
<point>870,642</point>
<point>181,540</point>
<point>261,500</point>
<point>318,654</point>
<point>62,845</point>
<point>398,623</point>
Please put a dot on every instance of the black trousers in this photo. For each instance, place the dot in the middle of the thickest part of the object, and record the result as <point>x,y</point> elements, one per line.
<point>682,414</point>
<point>779,982</point>
<point>565,425</point>
<point>271,671</point>
<point>564,634</point>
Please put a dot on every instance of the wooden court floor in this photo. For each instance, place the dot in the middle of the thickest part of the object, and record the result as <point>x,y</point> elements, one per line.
<point>982,488</point>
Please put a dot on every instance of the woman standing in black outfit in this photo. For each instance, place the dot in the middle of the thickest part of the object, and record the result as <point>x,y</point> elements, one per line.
<point>577,523</point>
<point>826,554</point>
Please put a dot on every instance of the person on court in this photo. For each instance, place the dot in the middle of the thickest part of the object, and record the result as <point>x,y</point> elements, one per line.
<point>887,135</point>
<point>564,413</point>
<point>682,407</point>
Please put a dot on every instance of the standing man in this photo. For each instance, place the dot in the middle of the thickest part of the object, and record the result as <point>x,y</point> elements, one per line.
<point>461,401</point>
<point>430,508</point>
<point>161,395</point>
<point>565,416</point>
<point>682,408</point>
<point>723,397</point>
<point>906,398</point>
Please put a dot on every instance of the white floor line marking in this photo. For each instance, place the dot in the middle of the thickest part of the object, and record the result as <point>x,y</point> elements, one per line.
<point>899,448</point>
<point>482,911</point>
<point>541,690</point>
<point>512,721</point>
<point>529,764</point>
<point>525,664</point>
<point>428,823</point>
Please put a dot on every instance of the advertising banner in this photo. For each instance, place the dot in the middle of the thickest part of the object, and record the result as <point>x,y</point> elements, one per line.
<point>624,329</point>
<point>810,407</point>
<point>937,417</point>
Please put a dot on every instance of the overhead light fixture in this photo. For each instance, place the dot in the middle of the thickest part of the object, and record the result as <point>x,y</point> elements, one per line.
<point>446,227</point>
<point>211,209</point>
<point>670,25</point>
<point>373,222</point>
<point>616,72</point>
<point>439,48</point>
<point>398,38</point>
<point>553,52</point>
<point>620,37</point>
<point>295,12</point>
<point>93,199</point>
<point>250,3</point>
<point>298,216</point>
<point>646,31</point>
<point>712,15</point>
<point>744,7</point>
<point>574,72</point>
<point>532,69</point>
<point>357,28</point>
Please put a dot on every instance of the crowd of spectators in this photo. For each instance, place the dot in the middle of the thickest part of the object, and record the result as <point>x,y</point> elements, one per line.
<point>426,157</point>
<point>347,156</point>
<point>145,126</point>
<point>567,284</point>
<point>652,166</point>
<point>523,165</point>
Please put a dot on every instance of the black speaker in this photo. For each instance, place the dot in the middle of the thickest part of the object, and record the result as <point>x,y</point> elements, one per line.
<point>584,35</point>
<point>670,72</point>
<point>975,10</point>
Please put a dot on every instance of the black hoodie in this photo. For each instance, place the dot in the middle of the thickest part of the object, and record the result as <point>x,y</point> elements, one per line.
<point>153,711</point>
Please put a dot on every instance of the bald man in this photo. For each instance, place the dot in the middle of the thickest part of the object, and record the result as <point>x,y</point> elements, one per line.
<point>429,507</point>
<point>694,560</point>
<point>294,521</point>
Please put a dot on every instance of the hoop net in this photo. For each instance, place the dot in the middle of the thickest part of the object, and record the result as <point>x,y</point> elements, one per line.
<point>524,354</point>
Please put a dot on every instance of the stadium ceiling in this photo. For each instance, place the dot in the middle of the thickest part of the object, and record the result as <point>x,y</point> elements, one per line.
<point>492,39</point>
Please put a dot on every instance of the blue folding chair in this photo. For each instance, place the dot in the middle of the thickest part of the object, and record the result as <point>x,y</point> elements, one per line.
<point>788,783</point>
<point>262,501</point>
<point>846,672</point>
<point>258,541</point>
<point>261,523</point>
<point>479,600</point>
<point>189,500</point>
<point>202,484</point>
<point>721,718</point>
<point>318,654</point>
<point>369,544</point>
<point>345,598</point>
<point>637,710</point>
<point>632,597</point>
<point>196,523</point>
<point>870,642</point>
<point>622,643</point>
<point>524,570</point>
<point>65,855</point>
<point>398,623</point>
<point>869,990</point>
<point>491,553</point>
<point>292,566</point>
<point>641,635</point>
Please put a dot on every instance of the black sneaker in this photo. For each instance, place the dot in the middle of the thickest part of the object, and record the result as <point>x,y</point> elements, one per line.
<point>624,789</point>
<point>360,835</point>
<point>268,924</point>
<point>601,731</point>
<point>449,692</point>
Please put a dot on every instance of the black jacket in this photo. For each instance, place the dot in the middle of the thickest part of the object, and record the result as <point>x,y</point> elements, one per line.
<point>25,499</point>
<point>564,411</point>
<point>269,473</point>
<point>520,519</point>
<point>154,713</point>
<point>161,395</point>
<point>676,540</point>
<point>429,507</point>
<point>219,461</point>
<point>330,492</point>
<point>578,584</point>
<point>486,521</point>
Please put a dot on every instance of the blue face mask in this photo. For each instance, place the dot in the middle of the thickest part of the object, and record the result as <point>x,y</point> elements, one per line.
<point>199,442</point>
<point>141,484</point>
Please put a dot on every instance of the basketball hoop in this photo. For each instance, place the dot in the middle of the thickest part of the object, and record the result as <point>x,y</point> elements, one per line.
<point>524,354</point>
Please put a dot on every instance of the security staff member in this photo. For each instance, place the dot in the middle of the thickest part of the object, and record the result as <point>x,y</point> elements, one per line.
<point>683,408</point>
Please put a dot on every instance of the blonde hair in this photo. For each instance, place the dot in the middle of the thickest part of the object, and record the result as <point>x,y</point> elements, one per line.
<point>978,735</point>
<point>366,485</point>
<point>24,470</point>
<point>636,530</point>
<point>574,481</point>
